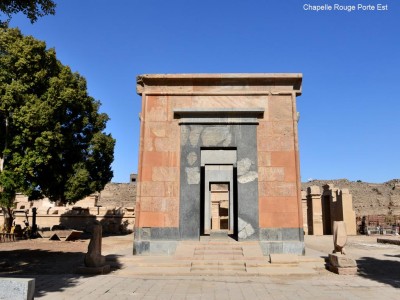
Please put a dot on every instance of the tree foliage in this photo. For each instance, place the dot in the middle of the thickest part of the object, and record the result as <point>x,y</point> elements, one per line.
<point>33,9</point>
<point>54,144</point>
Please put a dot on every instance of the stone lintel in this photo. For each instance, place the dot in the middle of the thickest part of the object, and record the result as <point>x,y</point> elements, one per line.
<point>219,84</point>
<point>221,121</point>
<point>218,112</point>
<point>218,115</point>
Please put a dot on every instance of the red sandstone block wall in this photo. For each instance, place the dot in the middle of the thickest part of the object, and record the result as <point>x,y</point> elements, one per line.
<point>158,189</point>
<point>278,175</point>
<point>159,158</point>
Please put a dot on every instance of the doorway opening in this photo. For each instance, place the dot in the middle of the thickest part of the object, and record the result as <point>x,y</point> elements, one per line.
<point>326,215</point>
<point>218,209</point>
<point>219,203</point>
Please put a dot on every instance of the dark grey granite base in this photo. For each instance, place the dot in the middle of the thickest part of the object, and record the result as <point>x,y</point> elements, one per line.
<point>157,233</point>
<point>154,247</point>
<point>287,247</point>
<point>281,234</point>
<point>282,240</point>
<point>156,240</point>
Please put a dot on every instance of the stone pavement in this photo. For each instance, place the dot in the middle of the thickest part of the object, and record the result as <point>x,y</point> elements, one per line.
<point>379,277</point>
<point>327,286</point>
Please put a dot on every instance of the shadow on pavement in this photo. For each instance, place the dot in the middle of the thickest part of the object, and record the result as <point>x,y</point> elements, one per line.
<point>53,271</point>
<point>384,271</point>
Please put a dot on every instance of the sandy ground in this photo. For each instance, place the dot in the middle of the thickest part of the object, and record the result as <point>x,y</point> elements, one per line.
<point>43,256</point>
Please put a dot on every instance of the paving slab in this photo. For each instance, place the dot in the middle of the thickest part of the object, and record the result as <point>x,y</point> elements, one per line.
<point>310,280</point>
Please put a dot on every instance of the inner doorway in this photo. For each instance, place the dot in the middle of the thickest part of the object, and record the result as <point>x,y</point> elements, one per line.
<point>218,186</point>
<point>219,203</point>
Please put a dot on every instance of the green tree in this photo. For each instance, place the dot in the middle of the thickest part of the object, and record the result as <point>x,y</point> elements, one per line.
<point>52,140</point>
<point>33,9</point>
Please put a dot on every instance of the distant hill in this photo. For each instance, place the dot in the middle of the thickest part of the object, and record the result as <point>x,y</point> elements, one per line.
<point>368,198</point>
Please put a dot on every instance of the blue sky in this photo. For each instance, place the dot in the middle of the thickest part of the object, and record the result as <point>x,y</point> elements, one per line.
<point>349,125</point>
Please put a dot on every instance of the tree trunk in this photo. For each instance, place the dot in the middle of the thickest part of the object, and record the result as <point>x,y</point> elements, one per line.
<point>8,218</point>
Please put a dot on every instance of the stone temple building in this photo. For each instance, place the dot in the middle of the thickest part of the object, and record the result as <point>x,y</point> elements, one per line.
<point>219,156</point>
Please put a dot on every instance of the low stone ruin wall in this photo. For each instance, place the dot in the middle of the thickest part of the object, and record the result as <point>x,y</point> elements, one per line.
<point>114,220</point>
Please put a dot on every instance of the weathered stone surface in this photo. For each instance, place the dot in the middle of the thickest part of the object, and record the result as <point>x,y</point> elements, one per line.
<point>277,143</point>
<point>280,108</point>
<point>264,159</point>
<point>93,257</point>
<point>165,144</point>
<point>213,136</point>
<point>277,189</point>
<point>157,114</point>
<point>191,158</point>
<point>193,175</point>
<point>314,190</point>
<point>149,188</point>
<point>185,131</point>
<point>343,271</point>
<point>341,261</point>
<point>243,166</point>
<point>339,236</point>
<point>229,101</point>
<point>245,229</point>
<point>194,135</point>
<point>248,177</point>
<point>17,288</point>
<point>271,173</point>
<point>165,173</point>
<point>171,189</point>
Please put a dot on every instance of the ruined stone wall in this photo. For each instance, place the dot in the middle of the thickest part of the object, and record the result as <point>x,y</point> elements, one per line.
<point>113,207</point>
<point>118,195</point>
<point>368,198</point>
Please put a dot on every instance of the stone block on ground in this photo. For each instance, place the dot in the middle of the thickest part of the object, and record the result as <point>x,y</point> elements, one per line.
<point>93,258</point>
<point>17,288</point>
<point>341,261</point>
<point>343,271</point>
<point>341,264</point>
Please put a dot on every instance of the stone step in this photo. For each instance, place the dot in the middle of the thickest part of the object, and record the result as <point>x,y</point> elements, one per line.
<point>219,263</point>
<point>220,273</point>
<point>217,252</point>
<point>217,258</point>
<point>225,266</point>
<point>243,267</point>
<point>219,246</point>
